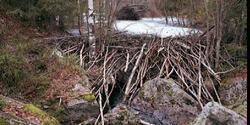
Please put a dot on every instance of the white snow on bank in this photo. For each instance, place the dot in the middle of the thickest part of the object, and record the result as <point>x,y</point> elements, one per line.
<point>74,32</point>
<point>171,20</point>
<point>153,26</point>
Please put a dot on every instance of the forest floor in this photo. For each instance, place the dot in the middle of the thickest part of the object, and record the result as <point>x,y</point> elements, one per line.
<point>32,73</point>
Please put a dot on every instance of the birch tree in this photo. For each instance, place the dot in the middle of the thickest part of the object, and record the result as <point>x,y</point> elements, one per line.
<point>91,36</point>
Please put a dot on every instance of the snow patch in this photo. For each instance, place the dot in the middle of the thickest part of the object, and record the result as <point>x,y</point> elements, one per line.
<point>154,26</point>
<point>74,32</point>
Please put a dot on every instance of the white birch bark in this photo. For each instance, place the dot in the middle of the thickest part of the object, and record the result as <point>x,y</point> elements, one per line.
<point>92,42</point>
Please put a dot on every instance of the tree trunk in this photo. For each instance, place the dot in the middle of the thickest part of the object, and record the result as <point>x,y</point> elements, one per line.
<point>207,25</point>
<point>61,22</point>
<point>80,17</point>
<point>219,18</point>
<point>91,31</point>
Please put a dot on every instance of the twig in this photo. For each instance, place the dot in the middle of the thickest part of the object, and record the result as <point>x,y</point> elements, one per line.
<point>145,123</point>
<point>81,59</point>
<point>127,62</point>
<point>101,110</point>
<point>133,72</point>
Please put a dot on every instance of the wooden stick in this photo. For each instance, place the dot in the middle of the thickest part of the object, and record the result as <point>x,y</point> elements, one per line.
<point>81,59</point>
<point>133,72</point>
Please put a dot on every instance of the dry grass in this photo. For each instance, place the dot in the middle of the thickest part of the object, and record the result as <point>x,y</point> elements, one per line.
<point>62,84</point>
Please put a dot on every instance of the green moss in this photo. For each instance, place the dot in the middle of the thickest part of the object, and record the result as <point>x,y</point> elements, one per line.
<point>46,119</point>
<point>34,110</point>
<point>88,97</point>
<point>2,104</point>
<point>242,62</point>
<point>4,121</point>
<point>50,121</point>
<point>169,92</point>
<point>59,113</point>
<point>141,94</point>
<point>242,110</point>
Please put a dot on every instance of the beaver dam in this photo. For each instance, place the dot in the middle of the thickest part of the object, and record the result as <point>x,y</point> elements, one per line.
<point>125,62</point>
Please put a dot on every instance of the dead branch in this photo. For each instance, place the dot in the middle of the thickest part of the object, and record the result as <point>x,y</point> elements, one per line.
<point>128,86</point>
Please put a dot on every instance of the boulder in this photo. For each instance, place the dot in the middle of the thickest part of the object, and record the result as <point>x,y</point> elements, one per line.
<point>127,13</point>
<point>163,102</point>
<point>82,107</point>
<point>121,115</point>
<point>216,114</point>
<point>233,92</point>
<point>13,112</point>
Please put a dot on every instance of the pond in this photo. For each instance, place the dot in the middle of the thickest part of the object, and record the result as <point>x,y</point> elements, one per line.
<point>155,26</point>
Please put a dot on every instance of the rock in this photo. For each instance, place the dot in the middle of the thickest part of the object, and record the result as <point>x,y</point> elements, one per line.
<point>127,13</point>
<point>7,119</point>
<point>81,109</point>
<point>233,92</point>
<point>83,106</point>
<point>13,112</point>
<point>163,102</point>
<point>79,88</point>
<point>72,101</point>
<point>121,115</point>
<point>216,114</point>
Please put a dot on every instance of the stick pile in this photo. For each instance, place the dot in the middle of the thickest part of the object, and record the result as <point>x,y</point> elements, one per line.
<point>145,58</point>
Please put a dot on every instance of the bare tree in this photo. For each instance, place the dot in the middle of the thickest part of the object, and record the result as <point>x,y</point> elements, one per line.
<point>80,17</point>
<point>91,31</point>
<point>219,27</point>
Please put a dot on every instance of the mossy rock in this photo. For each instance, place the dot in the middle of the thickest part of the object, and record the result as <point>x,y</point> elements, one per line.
<point>241,109</point>
<point>50,121</point>
<point>121,115</point>
<point>4,121</point>
<point>141,94</point>
<point>169,92</point>
<point>11,121</point>
<point>34,110</point>
<point>233,91</point>
<point>90,97</point>
<point>124,112</point>
<point>60,112</point>
<point>46,119</point>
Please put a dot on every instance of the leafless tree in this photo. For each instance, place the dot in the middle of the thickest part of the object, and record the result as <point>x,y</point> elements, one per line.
<point>219,27</point>
<point>91,31</point>
<point>79,16</point>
